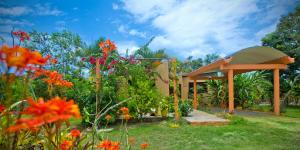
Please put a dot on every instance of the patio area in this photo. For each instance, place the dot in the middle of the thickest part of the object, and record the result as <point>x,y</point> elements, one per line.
<point>197,117</point>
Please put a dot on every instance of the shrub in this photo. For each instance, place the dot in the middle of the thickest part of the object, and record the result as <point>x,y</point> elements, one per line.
<point>185,107</point>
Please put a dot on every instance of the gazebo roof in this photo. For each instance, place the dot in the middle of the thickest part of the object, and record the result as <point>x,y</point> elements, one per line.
<point>245,60</point>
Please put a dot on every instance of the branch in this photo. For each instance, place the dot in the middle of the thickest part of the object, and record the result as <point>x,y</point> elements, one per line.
<point>110,108</point>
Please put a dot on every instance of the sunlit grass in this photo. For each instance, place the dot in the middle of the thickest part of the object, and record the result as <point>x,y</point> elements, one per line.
<point>250,133</point>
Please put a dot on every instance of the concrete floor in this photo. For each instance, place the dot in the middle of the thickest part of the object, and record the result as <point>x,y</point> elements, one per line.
<point>197,117</point>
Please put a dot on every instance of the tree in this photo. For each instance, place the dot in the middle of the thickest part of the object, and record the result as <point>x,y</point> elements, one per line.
<point>64,46</point>
<point>209,58</point>
<point>286,38</point>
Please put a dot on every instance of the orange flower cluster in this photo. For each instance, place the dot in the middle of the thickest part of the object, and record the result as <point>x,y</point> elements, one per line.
<point>53,78</point>
<point>109,145</point>
<point>108,117</point>
<point>41,113</point>
<point>124,110</point>
<point>21,35</point>
<point>21,57</point>
<point>144,145</point>
<point>107,46</point>
<point>66,145</point>
<point>131,140</point>
<point>75,133</point>
<point>125,113</point>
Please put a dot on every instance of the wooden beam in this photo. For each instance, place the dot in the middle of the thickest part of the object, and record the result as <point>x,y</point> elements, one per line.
<point>207,78</point>
<point>195,101</point>
<point>209,67</point>
<point>276,92</point>
<point>283,60</point>
<point>230,91</point>
<point>253,66</point>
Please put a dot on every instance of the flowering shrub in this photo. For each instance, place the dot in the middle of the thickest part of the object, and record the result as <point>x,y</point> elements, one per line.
<point>44,123</point>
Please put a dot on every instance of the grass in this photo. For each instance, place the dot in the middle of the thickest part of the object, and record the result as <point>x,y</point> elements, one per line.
<point>293,111</point>
<point>247,133</point>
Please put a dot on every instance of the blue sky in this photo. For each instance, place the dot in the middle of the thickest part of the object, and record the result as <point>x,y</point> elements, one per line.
<point>184,28</point>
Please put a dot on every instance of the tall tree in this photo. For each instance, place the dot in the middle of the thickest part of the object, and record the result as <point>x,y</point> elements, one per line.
<point>209,58</point>
<point>64,46</point>
<point>286,38</point>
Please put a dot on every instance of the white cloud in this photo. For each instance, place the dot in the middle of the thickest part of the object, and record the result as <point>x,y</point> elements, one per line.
<point>146,9</point>
<point>38,9</point>
<point>6,28</point>
<point>60,25</point>
<point>75,20</point>
<point>133,32</point>
<point>200,27</point>
<point>261,33</point>
<point>123,46</point>
<point>47,10</point>
<point>115,6</point>
<point>14,11</point>
<point>15,22</point>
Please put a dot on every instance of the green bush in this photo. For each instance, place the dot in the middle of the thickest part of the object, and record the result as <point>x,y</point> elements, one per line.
<point>185,107</point>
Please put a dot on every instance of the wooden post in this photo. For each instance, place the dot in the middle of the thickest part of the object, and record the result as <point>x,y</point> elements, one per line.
<point>230,91</point>
<point>276,92</point>
<point>195,101</point>
<point>176,107</point>
<point>97,83</point>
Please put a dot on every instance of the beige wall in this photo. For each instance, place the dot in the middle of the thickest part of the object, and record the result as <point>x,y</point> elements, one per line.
<point>185,88</point>
<point>162,83</point>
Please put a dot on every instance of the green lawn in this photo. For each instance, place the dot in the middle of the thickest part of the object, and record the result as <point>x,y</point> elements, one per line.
<point>247,133</point>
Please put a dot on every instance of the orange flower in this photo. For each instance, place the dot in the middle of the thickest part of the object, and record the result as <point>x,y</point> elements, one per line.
<point>108,117</point>
<point>53,78</point>
<point>131,140</point>
<point>107,46</point>
<point>66,145</point>
<point>124,110</point>
<point>115,146</point>
<point>21,57</point>
<point>126,117</point>
<point>40,112</point>
<point>109,145</point>
<point>54,61</point>
<point>144,145</point>
<point>2,108</point>
<point>105,144</point>
<point>75,133</point>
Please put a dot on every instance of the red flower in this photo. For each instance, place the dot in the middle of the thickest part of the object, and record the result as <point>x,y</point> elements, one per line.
<point>66,145</point>
<point>114,62</point>
<point>2,108</point>
<point>75,133</point>
<point>21,35</point>
<point>144,145</point>
<point>83,59</point>
<point>92,60</point>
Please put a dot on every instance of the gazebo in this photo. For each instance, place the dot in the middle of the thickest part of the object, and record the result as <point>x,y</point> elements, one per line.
<point>245,60</point>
